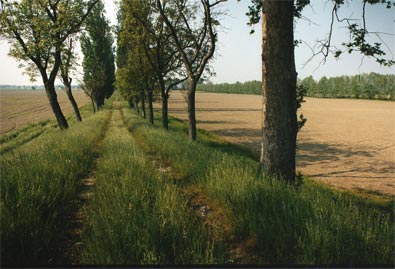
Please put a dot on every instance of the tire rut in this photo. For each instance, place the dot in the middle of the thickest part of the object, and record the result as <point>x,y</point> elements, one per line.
<point>77,218</point>
<point>210,212</point>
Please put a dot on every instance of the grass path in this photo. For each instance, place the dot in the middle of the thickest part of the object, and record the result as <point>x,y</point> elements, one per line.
<point>208,211</point>
<point>39,187</point>
<point>78,216</point>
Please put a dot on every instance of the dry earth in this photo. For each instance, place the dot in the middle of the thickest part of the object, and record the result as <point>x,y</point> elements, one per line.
<point>20,107</point>
<point>349,144</point>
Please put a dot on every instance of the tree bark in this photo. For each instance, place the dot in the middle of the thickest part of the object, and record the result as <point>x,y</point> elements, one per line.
<point>136,105</point>
<point>73,103</point>
<point>131,102</point>
<point>142,99</point>
<point>191,110</point>
<point>93,104</point>
<point>279,124</point>
<point>53,101</point>
<point>150,106</point>
<point>165,109</point>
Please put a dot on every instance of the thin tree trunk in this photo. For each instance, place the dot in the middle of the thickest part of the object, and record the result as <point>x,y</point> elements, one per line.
<point>93,104</point>
<point>131,102</point>
<point>136,105</point>
<point>151,106</point>
<point>279,125</point>
<point>73,102</point>
<point>191,111</point>
<point>165,108</point>
<point>53,101</point>
<point>142,99</point>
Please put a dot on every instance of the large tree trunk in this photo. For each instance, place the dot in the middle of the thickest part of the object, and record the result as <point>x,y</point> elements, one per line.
<point>279,125</point>
<point>165,108</point>
<point>73,102</point>
<point>151,106</point>
<point>53,101</point>
<point>191,110</point>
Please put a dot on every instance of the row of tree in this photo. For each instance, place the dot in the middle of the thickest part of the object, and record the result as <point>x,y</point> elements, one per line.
<point>248,87</point>
<point>43,36</point>
<point>162,44</point>
<point>364,86</point>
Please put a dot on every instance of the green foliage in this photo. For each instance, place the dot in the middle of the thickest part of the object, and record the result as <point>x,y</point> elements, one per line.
<point>249,87</point>
<point>365,86</point>
<point>37,31</point>
<point>359,40</point>
<point>98,62</point>
<point>134,74</point>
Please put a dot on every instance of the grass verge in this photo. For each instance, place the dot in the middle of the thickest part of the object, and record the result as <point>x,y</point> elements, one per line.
<point>282,224</point>
<point>38,184</point>
<point>136,215</point>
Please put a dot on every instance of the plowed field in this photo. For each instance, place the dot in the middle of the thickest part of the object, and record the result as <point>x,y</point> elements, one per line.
<point>349,144</point>
<point>20,107</point>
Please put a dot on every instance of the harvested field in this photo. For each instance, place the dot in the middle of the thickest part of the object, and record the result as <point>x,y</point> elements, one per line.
<point>349,144</point>
<point>20,107</point>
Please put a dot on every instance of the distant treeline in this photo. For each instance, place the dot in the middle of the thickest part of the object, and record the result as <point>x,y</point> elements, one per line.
<point>35,87</point>
<point>365,86</point>
<point>249,87</point>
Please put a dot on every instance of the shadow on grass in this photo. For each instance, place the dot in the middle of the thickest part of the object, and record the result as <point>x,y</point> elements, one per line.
<point>213,141</point>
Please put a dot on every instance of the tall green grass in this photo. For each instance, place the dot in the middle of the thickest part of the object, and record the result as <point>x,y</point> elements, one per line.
<point>137,216</point>
<point>309,225</point>
<point>38,184</point>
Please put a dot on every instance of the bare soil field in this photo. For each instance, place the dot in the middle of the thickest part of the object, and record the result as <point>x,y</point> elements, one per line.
<point>20,107</point>
<point>348,144</point>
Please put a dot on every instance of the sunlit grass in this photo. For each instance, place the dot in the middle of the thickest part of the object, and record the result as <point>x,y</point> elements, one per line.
<point>136,215</point>
<point>284,224</point>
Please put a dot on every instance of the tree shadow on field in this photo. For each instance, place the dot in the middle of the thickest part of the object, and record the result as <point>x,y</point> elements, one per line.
<point>312,152</point>
<point>184,110</point>
<point>212,122</point>
<point>251,137</point>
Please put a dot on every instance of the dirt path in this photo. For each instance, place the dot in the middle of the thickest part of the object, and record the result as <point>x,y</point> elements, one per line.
<point>349,144</point>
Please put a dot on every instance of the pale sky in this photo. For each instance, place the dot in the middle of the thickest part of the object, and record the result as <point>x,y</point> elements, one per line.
<point>238,57</point>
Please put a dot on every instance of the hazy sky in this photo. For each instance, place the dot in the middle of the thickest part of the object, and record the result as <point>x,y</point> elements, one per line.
<point>238,57</point>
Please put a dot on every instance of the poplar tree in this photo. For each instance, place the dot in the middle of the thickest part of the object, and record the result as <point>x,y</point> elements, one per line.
<point>98,63</point>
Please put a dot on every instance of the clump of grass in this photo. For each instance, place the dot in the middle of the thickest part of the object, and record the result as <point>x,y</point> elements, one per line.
<point>284,224</point>
<point>38,184</point>
<point>136,216</point>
